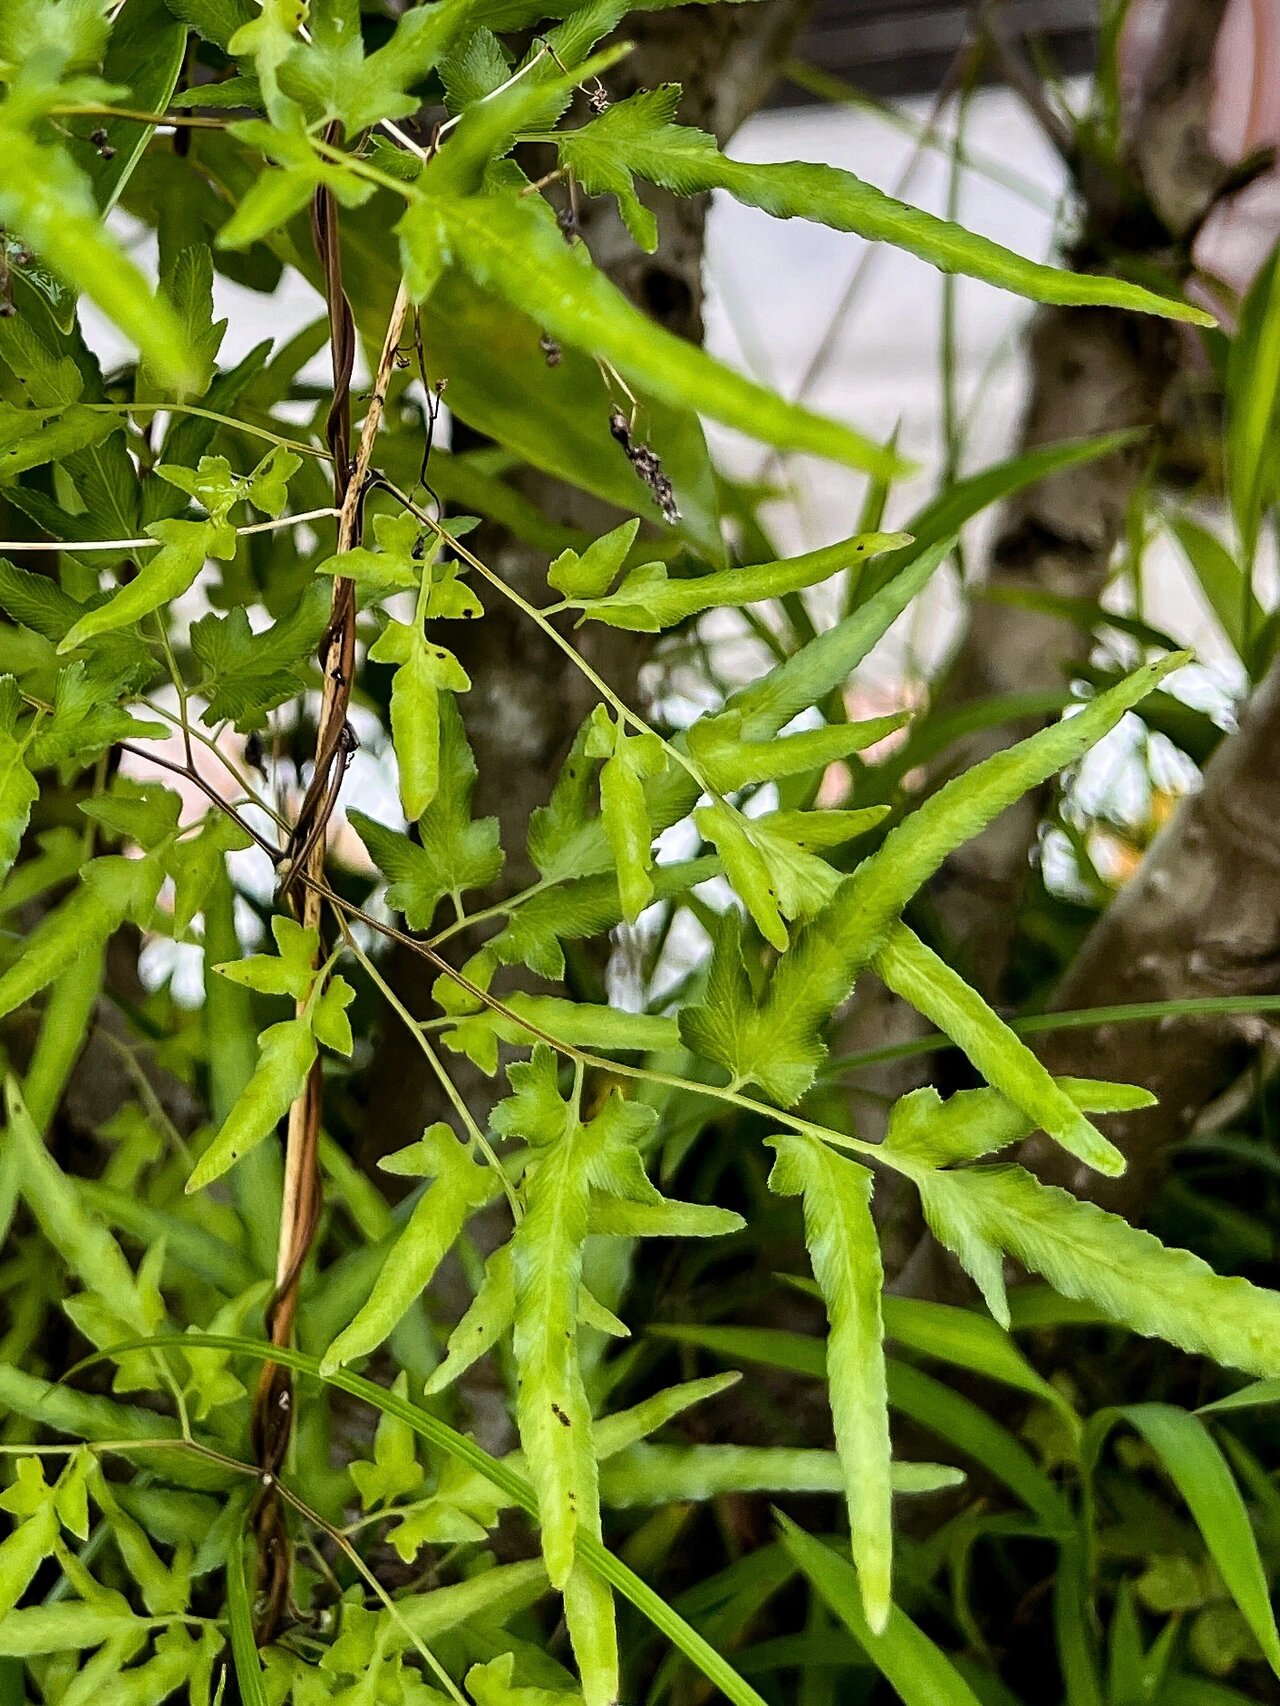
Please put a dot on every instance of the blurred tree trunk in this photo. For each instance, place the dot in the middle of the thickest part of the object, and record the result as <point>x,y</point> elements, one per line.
<point>1201,917</point>
<point>1092,372</point>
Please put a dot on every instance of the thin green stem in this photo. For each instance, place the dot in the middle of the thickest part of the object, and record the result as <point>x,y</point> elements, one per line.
<point>247,427</point>
<point>437,1066</point>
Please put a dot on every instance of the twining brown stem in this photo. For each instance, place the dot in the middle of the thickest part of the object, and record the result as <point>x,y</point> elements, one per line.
<point>300,1205</point>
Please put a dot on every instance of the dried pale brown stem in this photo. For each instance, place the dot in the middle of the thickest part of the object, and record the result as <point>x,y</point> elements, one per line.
<point>300,1205</point>
<point>338,668</point>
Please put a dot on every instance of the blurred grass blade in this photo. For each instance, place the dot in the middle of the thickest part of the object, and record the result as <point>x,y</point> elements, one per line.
<point>1196,1466</point>
<point>919,1672</point>
<point>244,1649</point>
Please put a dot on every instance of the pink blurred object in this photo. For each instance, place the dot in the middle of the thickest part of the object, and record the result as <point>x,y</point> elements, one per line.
<point>1245,116</point>
<point>1241,231</point>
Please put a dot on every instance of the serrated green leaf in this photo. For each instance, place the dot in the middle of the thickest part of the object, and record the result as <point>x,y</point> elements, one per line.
<point>460,1187</point>
<point>394,1470</point>
<point>492,1684</point>
<point>144,812</point>
<point>74,1231</point>
<point>924,1128</point>
<point>21,1555</point>
<point>111,890</point>
<point>18,790</point>
<point>777,1050</point>
<point>196,862</point>
<point>853,928</point>
<point>637,136</point>
<point>453,852</point>
<point>648,600</point>
<point>47,201</point>
<point>1088,1254</point>
<point>590,574</point>
<point>291,970</point>
<point>30,438</point>
<point>246,675</point>
<point>804,679</point>
<point>287,1052</point>
<point>881,887</point>
<point>845,1252</point>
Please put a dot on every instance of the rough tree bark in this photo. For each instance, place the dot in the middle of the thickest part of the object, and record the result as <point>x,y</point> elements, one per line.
<point>1092,372</point>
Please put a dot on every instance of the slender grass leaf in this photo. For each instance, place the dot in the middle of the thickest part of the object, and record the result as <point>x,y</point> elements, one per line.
<point>970,1430</point>
<point>1198,1469</point>
<point>917,1670</point>
<point>244,1648</point>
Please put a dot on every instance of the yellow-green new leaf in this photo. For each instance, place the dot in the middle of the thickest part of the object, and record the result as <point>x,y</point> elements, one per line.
<point>287,1052</point>
<point>845,1253</point>
<point>22,1554</point>
<point>487,1318</point>
<point>876,894</point>
<point>425,672</point>
<point>746,868</point>
<point>729,762</point>
<point>552,1409</point>
<point>460,1187</point>
<point>629,759</point>
<point>924,1128</point>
